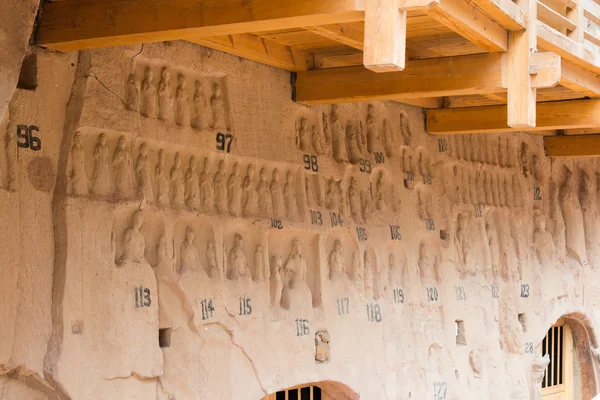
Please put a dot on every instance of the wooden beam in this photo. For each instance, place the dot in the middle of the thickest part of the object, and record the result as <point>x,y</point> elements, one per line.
<point>571,114</point>
<point>521,93</point>
<point>260,50</point>
<point>506,13</point>
<point>545,70</point>
<point>350,36</point>
<point>385,36</point>
<point>81,24</point>
<point>448,76</point>
<point>432,102</point>
<point>337,58</point>
<point>572,146</point>
<point>464,19</point>
<point>580,80</point>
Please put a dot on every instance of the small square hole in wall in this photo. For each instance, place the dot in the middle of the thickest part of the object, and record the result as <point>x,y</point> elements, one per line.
<point>523,321</point>
<point>461,338</point>
<point>28,74</point>
<point>164,337</point>
<point>443,234</point>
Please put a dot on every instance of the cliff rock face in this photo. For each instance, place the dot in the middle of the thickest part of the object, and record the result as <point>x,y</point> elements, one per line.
<point>176,227</point>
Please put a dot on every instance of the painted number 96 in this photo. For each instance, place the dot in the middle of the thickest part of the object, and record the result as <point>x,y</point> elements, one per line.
<point>25,133</point>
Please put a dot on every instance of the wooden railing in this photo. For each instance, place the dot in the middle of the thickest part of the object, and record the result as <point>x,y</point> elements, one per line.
<point>578,20</point>
<point>591,14</point>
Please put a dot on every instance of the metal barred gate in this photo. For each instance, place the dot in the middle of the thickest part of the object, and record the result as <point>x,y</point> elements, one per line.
<point>558,380</point>
<point>300,393</point>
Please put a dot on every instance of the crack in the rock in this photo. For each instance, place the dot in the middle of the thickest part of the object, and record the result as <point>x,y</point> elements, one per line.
<point>220,324</point>
<point>133,374</point>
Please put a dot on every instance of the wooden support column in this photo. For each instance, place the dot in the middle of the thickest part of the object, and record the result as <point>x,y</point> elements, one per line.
<point>521,93</point>
<point>385,36</point>
<point>576,16</point>
<point>572,146</point>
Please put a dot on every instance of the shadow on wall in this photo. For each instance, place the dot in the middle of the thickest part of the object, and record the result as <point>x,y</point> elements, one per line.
<point>324,390</point>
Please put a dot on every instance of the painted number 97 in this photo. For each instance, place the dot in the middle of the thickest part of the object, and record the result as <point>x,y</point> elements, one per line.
<point>25,133</point>
<point>224,142</point>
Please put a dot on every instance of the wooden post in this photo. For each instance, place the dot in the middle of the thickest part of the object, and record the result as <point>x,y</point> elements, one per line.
<point>576,16</point>
<point>385,36</point>
<point>521,94</point>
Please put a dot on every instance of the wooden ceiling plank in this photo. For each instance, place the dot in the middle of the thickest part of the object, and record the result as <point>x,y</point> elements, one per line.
<point>570,114</point>
<point>76,25</point>
<point>448,76</point>
<point>466,20</point>
<point>260,50</point>
<point>508,15</point>
<point>385,36</point>
<point>350,36</point>
<point>572,146</point>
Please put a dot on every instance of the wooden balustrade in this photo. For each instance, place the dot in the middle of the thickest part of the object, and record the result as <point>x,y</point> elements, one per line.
<point>577,19</point>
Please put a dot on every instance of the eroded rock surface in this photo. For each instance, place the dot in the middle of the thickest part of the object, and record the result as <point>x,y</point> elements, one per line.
<point>200,235</point>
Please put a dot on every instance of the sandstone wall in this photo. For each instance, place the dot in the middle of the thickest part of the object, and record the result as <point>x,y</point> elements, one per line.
<point>177,192</point>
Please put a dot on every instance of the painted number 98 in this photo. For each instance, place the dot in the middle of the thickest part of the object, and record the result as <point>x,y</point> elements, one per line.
<point>311,163</point>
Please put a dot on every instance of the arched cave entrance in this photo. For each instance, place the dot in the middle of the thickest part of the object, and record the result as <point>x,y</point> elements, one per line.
<point>571,346</point>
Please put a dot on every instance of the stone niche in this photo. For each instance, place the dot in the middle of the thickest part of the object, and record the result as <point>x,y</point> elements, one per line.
<point>214,239</point>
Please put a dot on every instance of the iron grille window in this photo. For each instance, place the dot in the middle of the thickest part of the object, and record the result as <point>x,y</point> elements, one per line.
<point>553,345</point>
<point>305,393</point>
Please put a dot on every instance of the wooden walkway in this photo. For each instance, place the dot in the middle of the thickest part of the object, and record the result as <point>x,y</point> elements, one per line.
<point>476,65</point>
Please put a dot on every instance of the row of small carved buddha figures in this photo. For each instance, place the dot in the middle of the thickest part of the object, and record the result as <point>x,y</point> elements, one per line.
<point>485,186</point>
<point>351,141</point>
<point>158,101</point>
<point>182,187</point>
<point>485,149</point>
<point>362,200</point>
<point>369,277</point>
<point>269,195</point>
